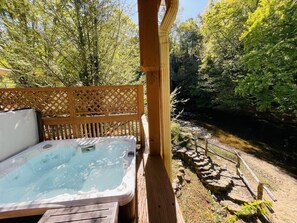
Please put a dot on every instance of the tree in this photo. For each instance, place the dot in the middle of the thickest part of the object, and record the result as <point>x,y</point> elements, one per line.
<point>270,55</point>
<point>67,43</point>
<point>222,26</point>
<point>185,43</point>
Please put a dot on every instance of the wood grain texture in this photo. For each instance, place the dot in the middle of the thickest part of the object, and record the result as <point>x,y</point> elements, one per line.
<point>90,213</point>
<point>156,201</point>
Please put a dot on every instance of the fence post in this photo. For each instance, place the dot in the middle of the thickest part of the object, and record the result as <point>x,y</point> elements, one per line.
<point>206,147</point>
<point>260,191</point>
<point>238,164</point>
<point>195,139</point>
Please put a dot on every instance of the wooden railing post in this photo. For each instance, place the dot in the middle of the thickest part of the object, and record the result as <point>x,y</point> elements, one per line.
<point>196,146</point>
<point>238,163</point>
<point>206,147</point>
<point>260,191</point>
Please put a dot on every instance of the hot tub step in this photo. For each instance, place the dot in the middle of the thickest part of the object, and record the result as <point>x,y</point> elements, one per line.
<point>107,212</point>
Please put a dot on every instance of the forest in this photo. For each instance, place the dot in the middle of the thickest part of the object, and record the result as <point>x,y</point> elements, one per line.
<point>236,56</point>
<point>239,55</point>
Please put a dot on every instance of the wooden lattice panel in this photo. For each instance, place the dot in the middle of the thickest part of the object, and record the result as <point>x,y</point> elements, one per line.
<point>73,112</point>
<point>106,101</point>
<point>51,103</point>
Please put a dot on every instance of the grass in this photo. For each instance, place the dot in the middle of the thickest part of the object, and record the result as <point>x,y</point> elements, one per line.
<point>217,150</point>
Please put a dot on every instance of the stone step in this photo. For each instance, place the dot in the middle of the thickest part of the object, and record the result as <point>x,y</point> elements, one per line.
<point>181,152</point>
<point>189,156</point>
<point>217,167</point>
<point>210,175</point>
<point>210,171</point>
<point>220,185</point>
<point>230,206</point>
<point>203,163</point>
<point>199,158</point>
<point>226,173</point>
<point>239,195</point>
<point>200,169</point>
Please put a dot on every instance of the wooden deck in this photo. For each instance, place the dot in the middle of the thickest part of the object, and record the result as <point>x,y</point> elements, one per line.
<point>156,201</point>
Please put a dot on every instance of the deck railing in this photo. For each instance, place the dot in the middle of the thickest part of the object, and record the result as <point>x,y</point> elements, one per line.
<point>74,112</point>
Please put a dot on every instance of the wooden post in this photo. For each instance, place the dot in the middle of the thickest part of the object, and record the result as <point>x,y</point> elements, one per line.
<point>154,113</point>
<point>260,191</point>
<point>238,164</point>
<point>206,147</point>
<point>150,64</point>
<point>196,146</point>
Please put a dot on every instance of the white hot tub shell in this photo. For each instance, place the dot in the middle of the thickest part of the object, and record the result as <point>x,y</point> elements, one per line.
<point>123,192</point>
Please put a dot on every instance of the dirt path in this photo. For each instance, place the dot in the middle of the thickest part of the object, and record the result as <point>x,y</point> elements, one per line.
<point>283,186</point>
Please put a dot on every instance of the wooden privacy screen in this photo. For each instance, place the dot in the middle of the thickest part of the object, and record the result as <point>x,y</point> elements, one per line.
<point>74,112</point>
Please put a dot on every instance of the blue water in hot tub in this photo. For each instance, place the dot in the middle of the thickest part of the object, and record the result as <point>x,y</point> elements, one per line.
<point>65,171</point>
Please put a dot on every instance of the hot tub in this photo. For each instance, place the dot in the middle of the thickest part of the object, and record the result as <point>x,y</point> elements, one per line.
<point>63,173</point>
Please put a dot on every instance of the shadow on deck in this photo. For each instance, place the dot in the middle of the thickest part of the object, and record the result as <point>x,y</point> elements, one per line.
<point>156,201</point>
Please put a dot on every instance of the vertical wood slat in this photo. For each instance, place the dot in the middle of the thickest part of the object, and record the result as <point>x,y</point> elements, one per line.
<point>98,129</point>
<point>54,132</point>
<point>90,130</point>
<point>129,128</point>
<point>94,129</point>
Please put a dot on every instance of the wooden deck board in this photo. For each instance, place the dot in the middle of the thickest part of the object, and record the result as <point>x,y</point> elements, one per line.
<point>90,213</point>
<point>156,201</point>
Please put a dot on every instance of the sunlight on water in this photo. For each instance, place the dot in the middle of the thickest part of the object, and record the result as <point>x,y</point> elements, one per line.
<point>66,170</point>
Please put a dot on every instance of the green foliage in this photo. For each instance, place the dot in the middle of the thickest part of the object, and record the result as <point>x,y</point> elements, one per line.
<point>180,137</point>
<point>175,133</point>
<point>68,43</point>
<point>174,101</point>
<point>241,55</point>
<point>251,209</point>
<point>271,57</point>
<point>256,207</point>
<point>221,66</point>
<point>185,43</point>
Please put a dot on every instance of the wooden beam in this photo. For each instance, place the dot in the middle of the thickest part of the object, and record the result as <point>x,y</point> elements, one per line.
<point>148,35</point>
<point>150,63</point>
<point>154,112</point>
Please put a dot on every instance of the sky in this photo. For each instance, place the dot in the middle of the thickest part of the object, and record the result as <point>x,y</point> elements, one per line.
<point>187,8</point>
<point>191,8</point>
